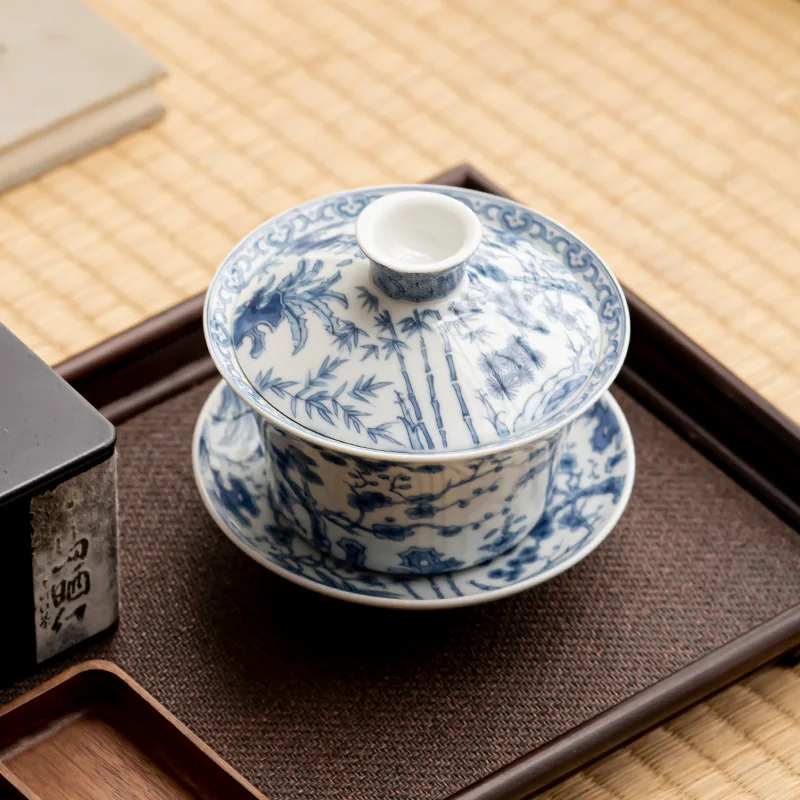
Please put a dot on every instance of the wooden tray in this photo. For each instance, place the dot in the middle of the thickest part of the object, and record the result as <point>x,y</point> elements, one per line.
<point>665,372</point>
<point>93,733</point>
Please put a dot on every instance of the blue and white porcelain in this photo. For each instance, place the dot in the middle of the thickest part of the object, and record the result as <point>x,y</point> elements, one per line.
<point>426,348</point>
<point>591,486</point>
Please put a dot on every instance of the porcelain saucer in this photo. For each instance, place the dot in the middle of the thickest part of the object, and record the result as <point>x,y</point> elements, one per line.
<point>590,490</point>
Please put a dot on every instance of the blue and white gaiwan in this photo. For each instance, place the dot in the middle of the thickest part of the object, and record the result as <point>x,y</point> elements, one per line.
<point>414,356</point>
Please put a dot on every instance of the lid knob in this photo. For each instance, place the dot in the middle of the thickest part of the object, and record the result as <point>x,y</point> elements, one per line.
<point>417,243</point>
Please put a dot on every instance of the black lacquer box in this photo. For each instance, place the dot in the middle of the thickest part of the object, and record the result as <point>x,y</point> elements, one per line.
<point>58,513</point>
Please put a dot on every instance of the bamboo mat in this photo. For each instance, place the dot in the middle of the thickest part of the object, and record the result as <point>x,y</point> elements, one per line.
<point>739,745</point>
<point>666,134</point>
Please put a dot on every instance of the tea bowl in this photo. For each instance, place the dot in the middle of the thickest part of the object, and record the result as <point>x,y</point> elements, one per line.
<point>415,356</point>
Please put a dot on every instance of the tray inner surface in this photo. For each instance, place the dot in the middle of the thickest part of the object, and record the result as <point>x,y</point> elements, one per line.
<point>88,754</point>
<point>307,696</point>
<point>84,741</point>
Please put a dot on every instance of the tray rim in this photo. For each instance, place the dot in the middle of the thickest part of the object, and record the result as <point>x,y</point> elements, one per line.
<point>108,670</point>
<point>721,416</point>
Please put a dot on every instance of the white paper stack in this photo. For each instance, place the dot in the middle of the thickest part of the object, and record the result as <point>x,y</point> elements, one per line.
<point>69,83</point>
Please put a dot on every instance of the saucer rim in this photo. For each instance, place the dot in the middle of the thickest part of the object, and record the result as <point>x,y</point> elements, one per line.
<point>428,603</point>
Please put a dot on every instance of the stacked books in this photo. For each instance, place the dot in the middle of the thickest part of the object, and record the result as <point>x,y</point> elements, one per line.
<point>69,83</point>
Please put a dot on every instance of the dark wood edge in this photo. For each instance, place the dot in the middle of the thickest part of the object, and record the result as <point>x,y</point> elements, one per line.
<point>12,788</point>
<point>671,375</point>
<point>718,413</point>
<point>99,675</point>
<point>133,343</point>
<point>138,368</point>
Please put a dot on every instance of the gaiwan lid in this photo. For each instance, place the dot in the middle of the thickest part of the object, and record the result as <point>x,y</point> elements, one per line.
<point>416,319</point>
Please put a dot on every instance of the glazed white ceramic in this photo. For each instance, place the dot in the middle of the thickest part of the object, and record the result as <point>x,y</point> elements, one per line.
<point>407,397</point>
<point>418,233</point>
<point>590,489</point>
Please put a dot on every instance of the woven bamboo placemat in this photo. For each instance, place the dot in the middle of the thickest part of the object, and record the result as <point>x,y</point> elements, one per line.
<point>740,744</point>
<point>666,134</point>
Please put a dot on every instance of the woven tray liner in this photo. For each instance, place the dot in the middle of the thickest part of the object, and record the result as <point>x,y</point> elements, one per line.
<point>309,697</point>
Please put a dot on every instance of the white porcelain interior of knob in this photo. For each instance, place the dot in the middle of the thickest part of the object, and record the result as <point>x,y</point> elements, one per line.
<point>419,232</point>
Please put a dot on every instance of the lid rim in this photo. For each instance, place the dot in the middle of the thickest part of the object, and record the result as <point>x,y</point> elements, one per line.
<point>218,337</point>
<point>428,456</point>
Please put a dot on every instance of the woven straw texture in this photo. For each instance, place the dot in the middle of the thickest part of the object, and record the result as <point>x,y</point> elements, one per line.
<point>740,745</point>
<point>310,697</point>
<point>664,133</point>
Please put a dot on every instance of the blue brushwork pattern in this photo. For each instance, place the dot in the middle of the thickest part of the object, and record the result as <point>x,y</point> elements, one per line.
<point>416,287</point>
<point>396,510</point>
<point>265,512</point>
<point>300,326</point>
